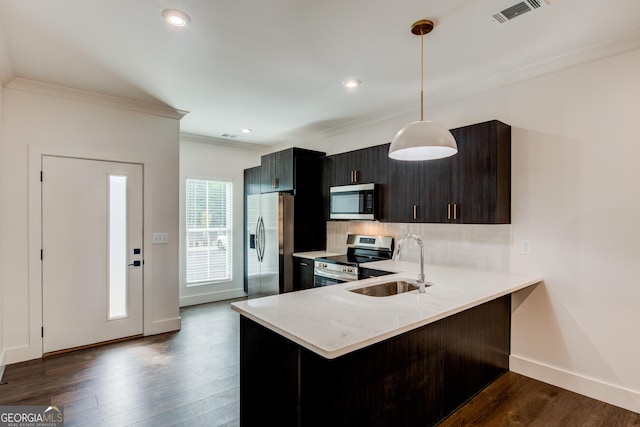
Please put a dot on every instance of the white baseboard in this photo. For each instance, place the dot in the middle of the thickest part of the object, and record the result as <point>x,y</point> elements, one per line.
<point>18,354</point>
<point>211,297</point>
<point>596,389</point>
<point>164,325</point>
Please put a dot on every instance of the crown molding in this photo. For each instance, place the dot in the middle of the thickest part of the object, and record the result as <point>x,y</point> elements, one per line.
<point>191,137</point>
<point>47,89</point>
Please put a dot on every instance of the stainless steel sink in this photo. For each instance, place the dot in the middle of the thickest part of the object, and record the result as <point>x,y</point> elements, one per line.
<point>388,288</point>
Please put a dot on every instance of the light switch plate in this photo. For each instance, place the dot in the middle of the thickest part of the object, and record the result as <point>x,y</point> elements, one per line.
<point>160,238</point>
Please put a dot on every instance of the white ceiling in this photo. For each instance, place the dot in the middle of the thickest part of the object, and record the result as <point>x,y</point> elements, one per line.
<point>277,66</point>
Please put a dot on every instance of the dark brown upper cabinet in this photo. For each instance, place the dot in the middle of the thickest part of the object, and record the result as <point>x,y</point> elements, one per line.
<point>277,171</point>
<point>418,190</point>
<point>360,166</point>
<point>284,170</point>
<point>481,181</point>
<point>253,180</point>
<point>471,187</point>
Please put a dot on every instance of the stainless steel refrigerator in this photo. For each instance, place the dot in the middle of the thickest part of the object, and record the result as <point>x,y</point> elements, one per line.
<point>269,244</point>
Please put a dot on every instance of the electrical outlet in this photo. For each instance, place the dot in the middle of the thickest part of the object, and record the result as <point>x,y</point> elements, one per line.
<point>160,238</point>
<point>525,247</point>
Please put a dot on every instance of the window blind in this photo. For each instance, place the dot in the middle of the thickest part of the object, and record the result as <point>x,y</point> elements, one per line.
<point>209,231</point>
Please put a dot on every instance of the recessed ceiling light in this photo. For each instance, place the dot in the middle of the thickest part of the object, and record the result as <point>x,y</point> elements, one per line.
<point>351,83</point>
<point>246,130</point>
<point>177,18</point>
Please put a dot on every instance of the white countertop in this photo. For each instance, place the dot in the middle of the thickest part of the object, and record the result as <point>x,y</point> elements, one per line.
<point>331,321</point>
<point>315,254</point>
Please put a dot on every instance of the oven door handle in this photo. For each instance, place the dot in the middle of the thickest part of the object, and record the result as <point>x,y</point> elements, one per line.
<point>337,276</point>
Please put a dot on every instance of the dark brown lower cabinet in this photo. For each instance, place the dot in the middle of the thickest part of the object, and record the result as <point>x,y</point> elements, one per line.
<point>417,378</point>
<point>302,273</point>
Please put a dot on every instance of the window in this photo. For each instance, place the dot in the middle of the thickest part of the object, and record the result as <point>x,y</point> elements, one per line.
<point>208,220</point>
<point>118,286</point>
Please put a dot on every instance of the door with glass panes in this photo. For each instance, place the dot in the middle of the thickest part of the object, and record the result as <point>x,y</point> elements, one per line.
<point>92,253</point>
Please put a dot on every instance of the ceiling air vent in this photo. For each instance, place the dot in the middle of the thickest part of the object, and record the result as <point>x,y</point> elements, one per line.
<point>516,10</point>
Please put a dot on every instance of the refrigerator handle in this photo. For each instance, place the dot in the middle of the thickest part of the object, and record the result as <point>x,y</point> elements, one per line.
<point>262,239</point>
<point>257,239</point>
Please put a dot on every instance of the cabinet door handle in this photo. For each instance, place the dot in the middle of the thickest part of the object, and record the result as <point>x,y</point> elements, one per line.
<point>455,211</point>
<point>274,183</point>
<point>449,211</point>
<point>415,211</point>
<point>356,178</point>
<point>304,264</point>
<point>351,179</point>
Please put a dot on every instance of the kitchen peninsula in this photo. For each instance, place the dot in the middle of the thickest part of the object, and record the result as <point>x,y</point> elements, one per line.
<point>329,356</point>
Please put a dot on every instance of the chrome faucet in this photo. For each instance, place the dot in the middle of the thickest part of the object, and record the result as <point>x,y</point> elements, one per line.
<point>420,282</point>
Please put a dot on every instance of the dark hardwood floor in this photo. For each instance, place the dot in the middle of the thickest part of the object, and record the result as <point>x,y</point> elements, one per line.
<point>191,378</point>
<point>515,400</point>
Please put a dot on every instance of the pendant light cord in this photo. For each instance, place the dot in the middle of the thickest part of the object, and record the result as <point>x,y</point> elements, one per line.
<point>421,76</point>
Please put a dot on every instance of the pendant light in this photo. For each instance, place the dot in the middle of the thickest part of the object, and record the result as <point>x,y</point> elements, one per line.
<point>422,140</point>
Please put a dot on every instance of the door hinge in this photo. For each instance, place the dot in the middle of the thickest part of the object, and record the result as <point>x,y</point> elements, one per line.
<point>41,254</point>
<point>42,332</point>
<point>40,176</point>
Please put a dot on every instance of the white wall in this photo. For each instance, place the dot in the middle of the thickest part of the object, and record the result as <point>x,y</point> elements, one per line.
<point>575,182</point>
<point>43,119</point>
<point>202,159</point>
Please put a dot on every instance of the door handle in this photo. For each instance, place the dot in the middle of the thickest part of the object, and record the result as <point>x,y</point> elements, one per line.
<point>135,264</point>
<point>455,211</point>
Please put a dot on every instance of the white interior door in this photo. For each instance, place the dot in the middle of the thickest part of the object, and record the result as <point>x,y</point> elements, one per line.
<point>92,251</point>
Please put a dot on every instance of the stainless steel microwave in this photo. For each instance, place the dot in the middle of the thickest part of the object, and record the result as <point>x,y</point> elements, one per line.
<point>358,201</point>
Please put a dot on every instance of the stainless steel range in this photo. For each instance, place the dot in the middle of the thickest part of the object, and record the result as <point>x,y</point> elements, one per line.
<point>346,268</point>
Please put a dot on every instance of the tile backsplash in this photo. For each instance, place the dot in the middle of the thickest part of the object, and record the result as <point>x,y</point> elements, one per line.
<point>478,247</point>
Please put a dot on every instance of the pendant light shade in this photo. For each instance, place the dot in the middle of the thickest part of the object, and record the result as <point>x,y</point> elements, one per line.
<point>422,140</point>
